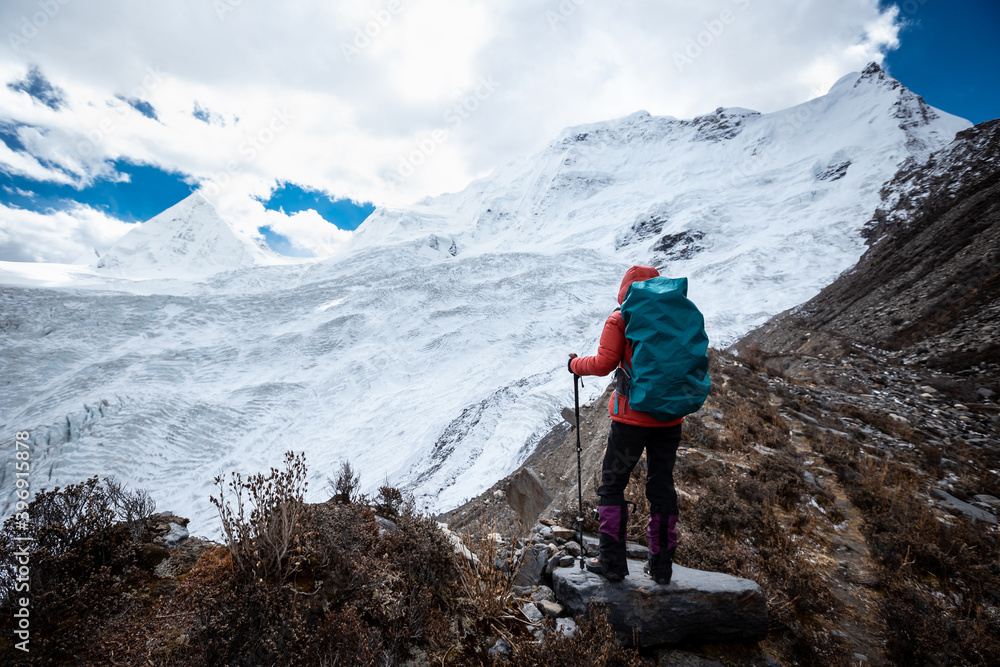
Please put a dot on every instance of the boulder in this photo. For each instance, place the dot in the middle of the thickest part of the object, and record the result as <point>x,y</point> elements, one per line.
<point>543,593</point>
<point>956,506</point>
<point>553,562</point>
<point>992,501</point>
<point>385,526</point>
<point>561,533</point>
<point>550,609</point>
<point>532,613</point>
<point>533,562</point>
<point>566,626</point>
<point>696,605</point>
<point>174,536</point>
<point>167,529</point>
<point>527,495</point>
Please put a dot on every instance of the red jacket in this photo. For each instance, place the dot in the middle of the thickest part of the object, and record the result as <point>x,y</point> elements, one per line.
<point>614,351</point>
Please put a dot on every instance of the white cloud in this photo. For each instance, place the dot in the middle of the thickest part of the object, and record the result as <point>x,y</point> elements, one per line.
<point>68,237</point>
<point>311,115</point>
<point>308,231</point>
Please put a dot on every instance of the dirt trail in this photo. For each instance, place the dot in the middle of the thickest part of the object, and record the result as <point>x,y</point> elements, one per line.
<point>842,553</point>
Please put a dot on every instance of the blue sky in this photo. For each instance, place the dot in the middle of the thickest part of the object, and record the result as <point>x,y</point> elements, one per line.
<point>949,53</point>
<point>289,198</point>
<point>140,192</point>
<point>299,149</point>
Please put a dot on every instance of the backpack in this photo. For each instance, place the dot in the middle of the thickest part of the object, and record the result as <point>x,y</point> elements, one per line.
<point>668,377</point>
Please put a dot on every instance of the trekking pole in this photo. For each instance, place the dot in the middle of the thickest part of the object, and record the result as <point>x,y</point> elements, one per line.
<point>579,470</point>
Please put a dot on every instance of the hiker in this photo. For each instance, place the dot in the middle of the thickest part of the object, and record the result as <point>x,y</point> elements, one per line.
<point>633,431</point>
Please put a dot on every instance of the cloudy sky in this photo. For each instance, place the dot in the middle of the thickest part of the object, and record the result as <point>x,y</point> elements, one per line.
<point>296,115</point>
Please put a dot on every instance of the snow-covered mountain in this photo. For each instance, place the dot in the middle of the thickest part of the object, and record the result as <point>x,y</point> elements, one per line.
<point>188,241</point>
<point>431,353</point>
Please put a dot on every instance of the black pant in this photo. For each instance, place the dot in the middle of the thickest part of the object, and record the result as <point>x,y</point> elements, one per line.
<point>625,445</point>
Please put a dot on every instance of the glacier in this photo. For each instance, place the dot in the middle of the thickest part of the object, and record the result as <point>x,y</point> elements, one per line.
<point>431,352</point>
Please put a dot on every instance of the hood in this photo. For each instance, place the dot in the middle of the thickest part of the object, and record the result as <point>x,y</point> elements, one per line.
<point>633,275</point>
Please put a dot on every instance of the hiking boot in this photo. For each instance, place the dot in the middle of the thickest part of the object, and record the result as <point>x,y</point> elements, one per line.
<point>661,535</point>
<point>611,562</point>
<point>660,566</point>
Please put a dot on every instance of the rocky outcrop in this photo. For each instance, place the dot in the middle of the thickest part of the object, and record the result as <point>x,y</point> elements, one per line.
<point>929,287</point>
<point>706,606</point>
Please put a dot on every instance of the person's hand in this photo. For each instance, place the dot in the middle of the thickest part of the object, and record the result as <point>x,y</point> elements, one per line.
<point>569,364</point>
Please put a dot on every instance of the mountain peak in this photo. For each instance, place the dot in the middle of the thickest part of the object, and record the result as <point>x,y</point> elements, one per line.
<point>189,239</point>
<point>874,73</point>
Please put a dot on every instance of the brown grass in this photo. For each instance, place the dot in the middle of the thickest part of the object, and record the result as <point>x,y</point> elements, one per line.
<point>882,422</point>
<point>938,579</point>
<point>746,519</point>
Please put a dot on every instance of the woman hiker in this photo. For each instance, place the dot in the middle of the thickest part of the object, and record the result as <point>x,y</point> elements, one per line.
<point>632,432</point>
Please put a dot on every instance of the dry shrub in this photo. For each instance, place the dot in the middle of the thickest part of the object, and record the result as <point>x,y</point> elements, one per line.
<point>593,645</point>
<point>751,422</point>
<point>263,520</point>
<point>244,621</point>
<point>696,434</point>
<point>81,560</point>
<point>923,630</point>
<point>134,506</point>
<point>751,355</point>
<point>781,476</point>
<point>880,421</point>
<point>486,610</point>
<point>346,487</point>
<point>694,468</point>
<point>900,527</point>
<point>351,597</point>
<point>388,502</point>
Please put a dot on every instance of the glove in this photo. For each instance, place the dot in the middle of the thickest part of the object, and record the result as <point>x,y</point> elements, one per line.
<point>569,364</point>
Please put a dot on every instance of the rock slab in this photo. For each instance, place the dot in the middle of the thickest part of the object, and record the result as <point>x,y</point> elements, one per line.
<point>952,503</point>
<point>703,606</point>
<point>527,495</point>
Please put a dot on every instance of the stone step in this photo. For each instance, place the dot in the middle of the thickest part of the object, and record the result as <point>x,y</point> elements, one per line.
<point>697,605</point>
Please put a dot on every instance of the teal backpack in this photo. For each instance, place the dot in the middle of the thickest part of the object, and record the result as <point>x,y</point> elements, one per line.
<point>669,373</point>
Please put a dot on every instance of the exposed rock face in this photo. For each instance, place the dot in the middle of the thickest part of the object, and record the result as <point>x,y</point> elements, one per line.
<point>705,606</point>
<point>930,284</point>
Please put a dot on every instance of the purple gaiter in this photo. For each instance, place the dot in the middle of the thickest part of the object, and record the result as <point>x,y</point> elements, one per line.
<point>611,519</point>
<point>653,529</point>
